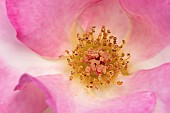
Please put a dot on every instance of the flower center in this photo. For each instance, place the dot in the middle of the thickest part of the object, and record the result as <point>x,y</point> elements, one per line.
<point>97,61</point>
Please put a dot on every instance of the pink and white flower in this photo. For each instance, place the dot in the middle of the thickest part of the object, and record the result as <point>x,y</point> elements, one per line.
<point>48,28</point>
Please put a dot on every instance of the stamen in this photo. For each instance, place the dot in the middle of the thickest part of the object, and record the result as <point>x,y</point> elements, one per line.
<point>119,83</point>
<point>98,61</point>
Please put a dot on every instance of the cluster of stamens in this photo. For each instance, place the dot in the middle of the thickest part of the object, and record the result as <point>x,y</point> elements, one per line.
<point>98,61</point>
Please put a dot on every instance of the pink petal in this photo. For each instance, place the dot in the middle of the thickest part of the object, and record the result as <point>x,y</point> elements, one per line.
<point>108,13</point>
<point>18,101</point>
<point>159,59</point>
<point>60,96</point>
<point>18,55</point>
<point>156,80</point>
<point>141,102</point>
<point>57,91</point>
<point>150,27</point>
<point>4,23</point>
<point>44,26</point>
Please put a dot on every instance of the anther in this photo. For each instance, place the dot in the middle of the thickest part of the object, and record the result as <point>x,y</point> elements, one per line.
<point>71,78</point>
<point>115,38</point>
<point>97,61</point>
<point>128,54</point>
<point>94,27</point>
<point>108,31</point>
<point>111,37</point>
<point>123,41</point>
<point>67,51</point>
<point>119,83</point>
<point>68,60</point>
<point>123,54</point>
<point>108,82</point>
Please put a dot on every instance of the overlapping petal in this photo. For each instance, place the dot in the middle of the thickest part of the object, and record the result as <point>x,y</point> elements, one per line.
<point>156,80</point>
<point>141,102</point>
<point>44,26</point>
<point>150,27</point>
<point>18,101</point>
<point>108,13</point>
<point>159,59</point>
<point>18,55</point>
<point>62,98</point>
<point>56,89</point>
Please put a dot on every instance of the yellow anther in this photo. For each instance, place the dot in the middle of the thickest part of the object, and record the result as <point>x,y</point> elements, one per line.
<point>128,54</point>
<point>115,38</point>
<point>123,54</point>
<point>67,51</point>
<point>111,37</point>
<point>123,41</point>
<point>108,31</point>
<point>119,83</point>
<point>108,82</point>
<point>71,78</point>
<point>97,61</point>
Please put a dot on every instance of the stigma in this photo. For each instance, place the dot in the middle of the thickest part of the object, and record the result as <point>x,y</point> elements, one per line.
<point>98,60</point>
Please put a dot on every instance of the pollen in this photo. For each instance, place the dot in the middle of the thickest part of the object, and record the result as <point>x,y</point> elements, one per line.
<point>98,60</point>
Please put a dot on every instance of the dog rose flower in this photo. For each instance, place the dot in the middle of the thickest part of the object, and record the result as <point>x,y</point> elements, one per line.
<point>119,66</point>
